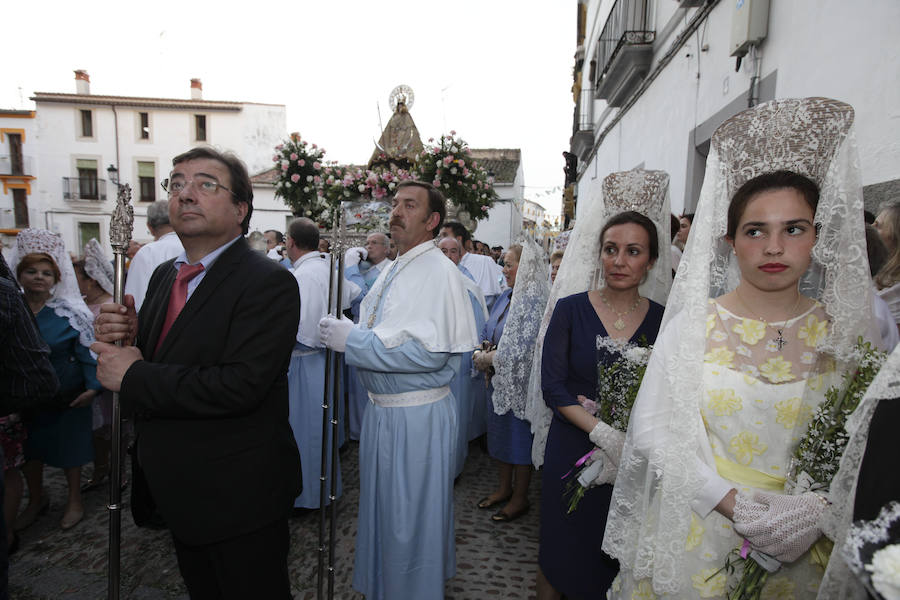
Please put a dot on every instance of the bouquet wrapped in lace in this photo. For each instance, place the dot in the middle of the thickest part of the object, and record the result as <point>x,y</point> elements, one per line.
<point>618,382</point>
<point>813,466</point>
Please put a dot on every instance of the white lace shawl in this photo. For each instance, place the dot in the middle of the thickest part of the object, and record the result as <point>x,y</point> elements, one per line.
<point>516,349</point>
<point>839,581</point>
<point>650,512</point>
<point>65,297</point>
<point>426,300</point>
<point>646,192</point>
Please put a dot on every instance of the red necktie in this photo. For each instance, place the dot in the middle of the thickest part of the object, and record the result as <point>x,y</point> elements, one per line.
<point>178,297</point>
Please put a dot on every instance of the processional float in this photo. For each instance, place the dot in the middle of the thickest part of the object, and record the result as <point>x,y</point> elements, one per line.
<point>120,228</point>
<point>363,218</point>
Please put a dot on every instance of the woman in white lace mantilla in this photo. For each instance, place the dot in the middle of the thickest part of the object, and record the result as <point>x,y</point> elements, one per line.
<point>610,285</point>
<point>762,320</point>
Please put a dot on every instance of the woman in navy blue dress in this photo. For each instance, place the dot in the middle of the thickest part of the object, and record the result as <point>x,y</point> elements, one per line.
<point>570,559</point>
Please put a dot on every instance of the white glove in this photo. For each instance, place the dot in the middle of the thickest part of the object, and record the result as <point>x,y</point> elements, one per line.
<point>334,332</point>
<point>609,440</point>
<point>354,255</point>
<point>599,472</point>
<point>779,525</point>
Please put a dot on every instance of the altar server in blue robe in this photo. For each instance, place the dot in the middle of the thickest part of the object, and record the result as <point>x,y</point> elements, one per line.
<point>461,385</point>
<point>364,273</point>
<point>306,374</point>
<point>414,323</point>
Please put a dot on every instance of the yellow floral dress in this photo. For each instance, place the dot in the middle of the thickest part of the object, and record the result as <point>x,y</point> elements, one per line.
<point>759,395</point>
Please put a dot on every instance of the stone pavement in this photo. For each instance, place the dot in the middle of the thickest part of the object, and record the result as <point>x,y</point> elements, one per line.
<point>493,560</point>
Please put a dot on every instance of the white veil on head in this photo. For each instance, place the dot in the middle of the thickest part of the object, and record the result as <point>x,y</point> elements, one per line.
<point>516,350</point>
<point>839,581</point>
<point>98,267</point>
<point>811,136</point>
<point>65,298</point>
<point>646,192</point>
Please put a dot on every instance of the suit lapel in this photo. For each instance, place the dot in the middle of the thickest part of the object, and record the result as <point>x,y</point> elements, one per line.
<point>218,273</point>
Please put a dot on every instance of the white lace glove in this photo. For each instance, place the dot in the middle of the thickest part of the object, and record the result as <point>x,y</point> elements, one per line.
<point>779,525</point>
<point>609,440</point>
<point>334,332</point>
<point>599,472</point>
<point>354,255</point>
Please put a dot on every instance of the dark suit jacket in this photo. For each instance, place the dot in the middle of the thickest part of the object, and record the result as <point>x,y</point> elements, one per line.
<point>211,407</point>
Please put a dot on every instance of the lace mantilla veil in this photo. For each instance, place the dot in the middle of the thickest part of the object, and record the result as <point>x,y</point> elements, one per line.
<point>839,580</point>
<point>515,352</point>
<point>646,192</point>
<point>98,267</point>
<point>650,512</point>
<point>65,297</point>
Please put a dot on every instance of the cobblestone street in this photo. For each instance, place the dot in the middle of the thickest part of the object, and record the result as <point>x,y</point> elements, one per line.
<point>493,560</point>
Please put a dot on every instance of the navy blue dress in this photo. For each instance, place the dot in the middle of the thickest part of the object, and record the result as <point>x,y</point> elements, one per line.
<point>509,438</point>
<point>570,555</point>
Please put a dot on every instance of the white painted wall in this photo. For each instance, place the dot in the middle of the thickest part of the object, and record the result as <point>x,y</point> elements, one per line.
<point>843,50</point>
<point>269,212</point>
<point>504,221</point>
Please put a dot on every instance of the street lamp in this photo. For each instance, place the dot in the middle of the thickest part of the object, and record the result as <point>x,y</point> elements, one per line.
<point>113,173</point>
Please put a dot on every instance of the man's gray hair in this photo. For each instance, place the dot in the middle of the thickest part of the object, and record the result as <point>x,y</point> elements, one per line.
<point>158,214</point>
<point>382,238</point>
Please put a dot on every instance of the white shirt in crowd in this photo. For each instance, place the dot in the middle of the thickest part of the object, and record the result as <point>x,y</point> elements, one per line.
<point>145,262</point>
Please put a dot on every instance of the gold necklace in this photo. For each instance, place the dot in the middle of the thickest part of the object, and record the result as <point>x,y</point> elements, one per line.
<point>620,322</point>
<point>779,339</point>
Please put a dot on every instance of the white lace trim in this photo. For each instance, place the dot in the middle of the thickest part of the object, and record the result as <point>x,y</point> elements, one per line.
<point>646,191</point>
<point>650,512</point>
<point>838,583</point>
<point>516,349</point>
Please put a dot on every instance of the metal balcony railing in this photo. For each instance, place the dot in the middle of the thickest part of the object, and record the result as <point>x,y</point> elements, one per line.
<point>628,24</point>
<point>84,188</point>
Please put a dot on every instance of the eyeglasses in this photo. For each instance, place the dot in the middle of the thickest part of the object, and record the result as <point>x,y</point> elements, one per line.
<point>204,185</point>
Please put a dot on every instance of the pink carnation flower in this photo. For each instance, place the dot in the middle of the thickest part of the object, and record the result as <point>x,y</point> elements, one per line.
<point>301,162</point>
<point>452,132</point>
<point>484,208</point>
<point>295,178</point>
<point>317,165</point>
<point>436,183</point>
<point>294,156</point>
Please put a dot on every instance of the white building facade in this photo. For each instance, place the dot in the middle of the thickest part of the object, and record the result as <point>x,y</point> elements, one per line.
<point>655,78</point>
<point>79,136</point>
<point>504,221</point>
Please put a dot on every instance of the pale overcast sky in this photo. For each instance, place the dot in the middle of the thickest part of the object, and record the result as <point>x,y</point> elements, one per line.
<point>499,72</point>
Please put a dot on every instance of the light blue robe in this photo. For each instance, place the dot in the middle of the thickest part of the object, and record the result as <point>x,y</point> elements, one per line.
<point>357,398</point>
<point>461,386</point>
<point>405,545</point>
<point>306,384</point>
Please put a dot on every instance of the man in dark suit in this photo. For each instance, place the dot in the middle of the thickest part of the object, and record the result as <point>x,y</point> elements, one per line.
<point>207,382</point>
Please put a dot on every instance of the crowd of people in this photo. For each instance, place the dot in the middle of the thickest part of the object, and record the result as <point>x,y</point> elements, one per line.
<point>742,317</point>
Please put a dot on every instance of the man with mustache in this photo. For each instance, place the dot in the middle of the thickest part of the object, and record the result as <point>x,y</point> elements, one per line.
<point>207,382</point>
<point>414,323</point>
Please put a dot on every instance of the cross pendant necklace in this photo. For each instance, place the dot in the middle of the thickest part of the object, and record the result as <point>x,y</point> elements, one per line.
<point>779,339</point>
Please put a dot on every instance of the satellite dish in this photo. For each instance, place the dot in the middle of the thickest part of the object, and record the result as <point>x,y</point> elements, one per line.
<point>402,94</point>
